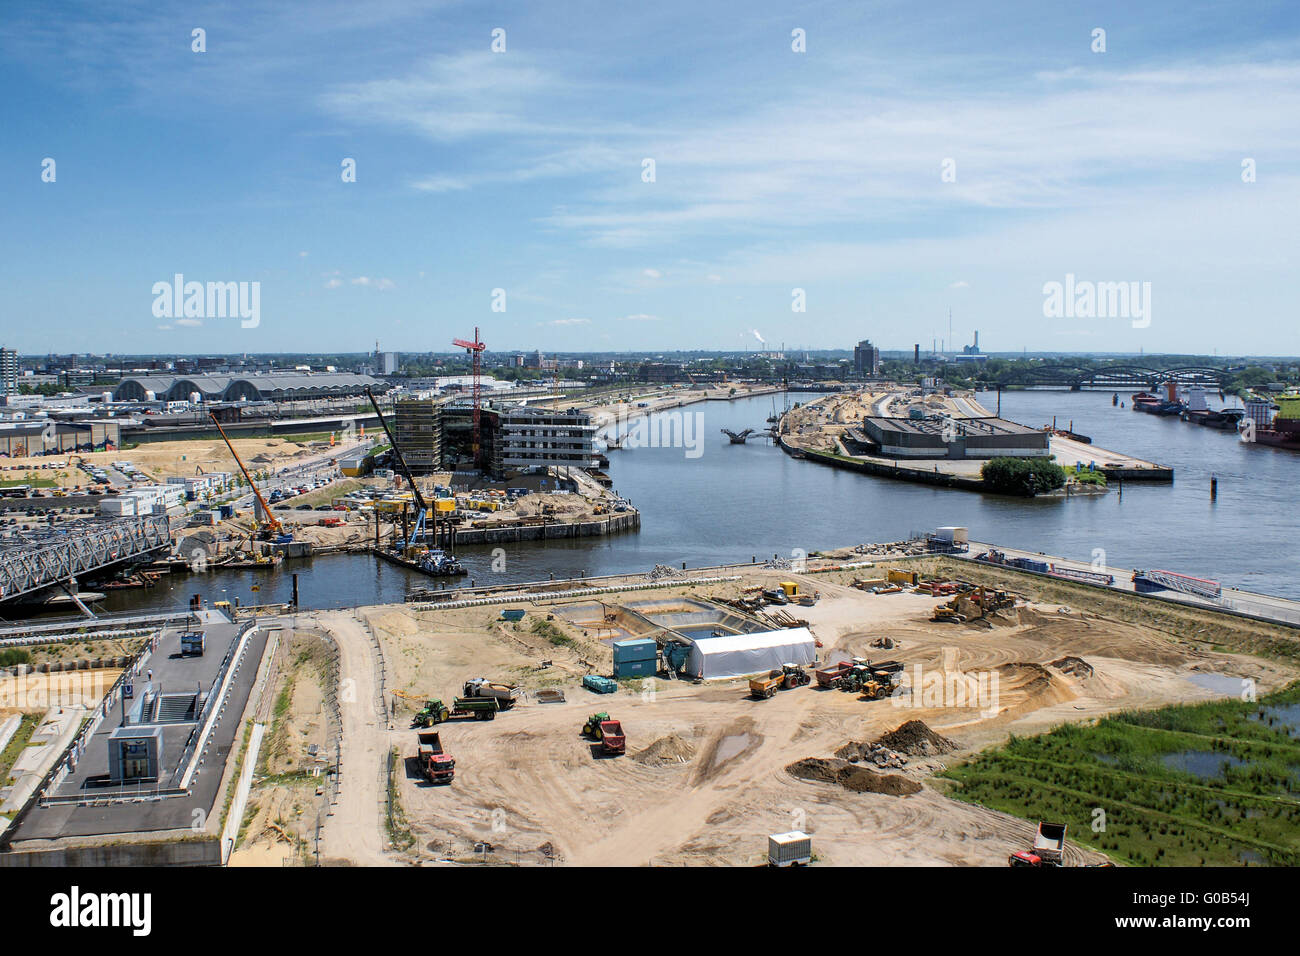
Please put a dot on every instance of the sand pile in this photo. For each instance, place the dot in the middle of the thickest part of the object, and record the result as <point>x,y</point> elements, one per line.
<point>856,779</point>
<point>916,739</point>
<point>666,750</point>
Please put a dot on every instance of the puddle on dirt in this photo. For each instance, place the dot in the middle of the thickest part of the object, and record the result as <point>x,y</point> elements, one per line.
<point>1219,683</point>
<point>729,747</point>
<point>1204,764</point>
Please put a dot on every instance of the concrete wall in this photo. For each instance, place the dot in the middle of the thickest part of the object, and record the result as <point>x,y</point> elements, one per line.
<point>204,852</point>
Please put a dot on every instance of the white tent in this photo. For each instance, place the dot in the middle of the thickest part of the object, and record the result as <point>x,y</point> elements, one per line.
<point>738,654</point>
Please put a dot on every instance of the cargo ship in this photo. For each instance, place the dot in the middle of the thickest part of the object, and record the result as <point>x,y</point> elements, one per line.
<point>1266,424</point>
<point>1155,405</point>
<point>1199,413</point>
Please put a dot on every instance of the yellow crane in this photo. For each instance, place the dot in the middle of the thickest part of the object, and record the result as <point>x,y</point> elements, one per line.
<point>272,522</point>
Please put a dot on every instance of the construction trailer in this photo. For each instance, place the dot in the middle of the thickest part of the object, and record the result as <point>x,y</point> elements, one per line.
<point>789,849</point>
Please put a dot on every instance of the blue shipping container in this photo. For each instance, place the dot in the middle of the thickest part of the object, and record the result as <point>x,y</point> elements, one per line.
<point>635,649</point>
<point>635,669</point>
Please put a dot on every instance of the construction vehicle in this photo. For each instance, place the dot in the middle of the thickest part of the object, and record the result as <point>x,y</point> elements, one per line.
<point>786,676</point>
<point>607,730</point>
<point>270,524</point>
<point>436,765</point>
<point>833,675</point>
<point>948,613</point>
<point>481,708</point>
<point>873,681</point>
<point>612,739</point>
<point>433,712</point>
<point>592,727</point>
<point>505,694</point>
<point>1048,849</point>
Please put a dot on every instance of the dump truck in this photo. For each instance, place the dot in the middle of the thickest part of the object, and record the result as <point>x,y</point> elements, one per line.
<point>504,693</point>
<point>833,675</point>
<point>436,765</point>
<point>480,708</point>
<point>612,738</point>
<point>787,675</point>
<point>874,681</point>
<point>1048,849</point>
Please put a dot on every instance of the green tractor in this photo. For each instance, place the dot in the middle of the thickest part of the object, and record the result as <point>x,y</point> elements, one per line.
<point>592,727</point>
<point>434,712</point>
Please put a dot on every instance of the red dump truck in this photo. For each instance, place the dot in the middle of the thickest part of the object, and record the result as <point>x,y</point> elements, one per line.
<point>1049,848</point>
<point>833,675</point>
<point>436,765</point>
<point>612,739</point>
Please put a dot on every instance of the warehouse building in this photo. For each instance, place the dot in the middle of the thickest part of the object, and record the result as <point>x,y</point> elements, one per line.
<point>958,438</point>
<point>271,387</point>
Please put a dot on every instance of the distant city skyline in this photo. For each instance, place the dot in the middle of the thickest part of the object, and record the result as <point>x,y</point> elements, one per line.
<point>876,165</point>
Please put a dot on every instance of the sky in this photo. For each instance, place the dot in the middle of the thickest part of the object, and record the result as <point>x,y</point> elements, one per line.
<point>823,173</point>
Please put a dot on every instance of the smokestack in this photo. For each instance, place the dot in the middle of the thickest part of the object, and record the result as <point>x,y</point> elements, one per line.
<point>916,354</point>
<point>977,340</point>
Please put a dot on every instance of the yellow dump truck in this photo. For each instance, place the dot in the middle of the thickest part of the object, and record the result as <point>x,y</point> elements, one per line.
<point>766,685</point>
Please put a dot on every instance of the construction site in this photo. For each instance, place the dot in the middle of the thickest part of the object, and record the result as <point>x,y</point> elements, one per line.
<point>507,727</point>
<point>938,436</point>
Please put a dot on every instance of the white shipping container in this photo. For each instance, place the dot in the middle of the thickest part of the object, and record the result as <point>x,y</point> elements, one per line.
<point>789,849</point>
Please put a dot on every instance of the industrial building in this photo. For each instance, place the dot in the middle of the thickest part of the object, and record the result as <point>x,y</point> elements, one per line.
<point>45,436</point>
<point>940,437</point>
<point>512,438</point>
<point>270,387</point>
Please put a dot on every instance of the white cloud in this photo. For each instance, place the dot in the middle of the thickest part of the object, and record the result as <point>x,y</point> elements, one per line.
<point>333,283</point>
<point>189,323</point>
<point>652,273</point>
<point>960,284</point>
<point>569,322</point>
<point>640,317</point>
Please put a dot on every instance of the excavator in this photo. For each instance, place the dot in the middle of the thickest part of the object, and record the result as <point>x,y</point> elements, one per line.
<point>271,526</point>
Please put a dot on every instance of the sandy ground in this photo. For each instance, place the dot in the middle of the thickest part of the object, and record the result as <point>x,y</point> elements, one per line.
<point>714,783</point>
<point>162,460</point>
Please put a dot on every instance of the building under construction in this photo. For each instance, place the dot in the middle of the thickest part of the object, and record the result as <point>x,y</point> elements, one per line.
<point>512,438</point>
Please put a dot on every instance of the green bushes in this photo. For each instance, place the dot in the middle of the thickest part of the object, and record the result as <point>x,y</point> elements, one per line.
<point>14,655</point>
<point>1022,476</point>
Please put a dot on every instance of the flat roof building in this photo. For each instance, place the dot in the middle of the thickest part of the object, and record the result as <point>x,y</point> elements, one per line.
<point>940,437</point>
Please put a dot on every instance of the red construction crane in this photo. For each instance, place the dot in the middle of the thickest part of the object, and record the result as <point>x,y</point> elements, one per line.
<point>475,349</point>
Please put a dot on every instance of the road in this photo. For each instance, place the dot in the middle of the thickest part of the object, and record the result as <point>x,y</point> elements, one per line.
<point>354,831</point>
<point>1266,606</point>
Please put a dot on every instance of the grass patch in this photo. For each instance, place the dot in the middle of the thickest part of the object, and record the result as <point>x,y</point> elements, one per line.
<point>17,744</point>
<point>305,437</point>
<point>1085,477</point>
<point>399,828</point>
<point>1214,784</point>
<point>553,634</point>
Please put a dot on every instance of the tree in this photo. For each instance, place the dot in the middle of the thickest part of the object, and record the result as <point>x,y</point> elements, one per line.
<point>1022,476</point>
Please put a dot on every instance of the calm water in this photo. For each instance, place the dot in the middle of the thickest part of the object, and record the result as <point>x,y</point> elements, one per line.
<point>738,501</point>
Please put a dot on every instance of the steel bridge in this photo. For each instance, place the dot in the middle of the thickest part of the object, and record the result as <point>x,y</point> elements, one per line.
<point>1115,377</point>
<point>32,564</point>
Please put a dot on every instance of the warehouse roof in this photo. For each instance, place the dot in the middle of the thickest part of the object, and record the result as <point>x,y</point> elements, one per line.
<point>935,426</point>
<point>241,387</point>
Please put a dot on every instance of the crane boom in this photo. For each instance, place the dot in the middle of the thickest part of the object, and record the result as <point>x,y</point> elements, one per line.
<point>272,521</point>
<point>397,452</point>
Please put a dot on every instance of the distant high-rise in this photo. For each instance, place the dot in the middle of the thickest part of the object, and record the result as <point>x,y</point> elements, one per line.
<point>866,358</point>
<point>8,371</point>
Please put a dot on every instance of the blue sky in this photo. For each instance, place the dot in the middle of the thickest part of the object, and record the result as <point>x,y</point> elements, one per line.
<point>774,170</point>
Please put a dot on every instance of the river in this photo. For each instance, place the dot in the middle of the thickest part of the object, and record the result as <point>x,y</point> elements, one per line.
<point>733,502</point>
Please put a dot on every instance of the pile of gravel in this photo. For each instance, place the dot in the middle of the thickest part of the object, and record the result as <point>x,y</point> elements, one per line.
<point>856,779</point>
<point>916,739</point>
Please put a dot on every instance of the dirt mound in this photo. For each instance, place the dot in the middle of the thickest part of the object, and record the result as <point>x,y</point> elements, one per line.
<point>850,777</point>
<point>916,739</point>
<point>666,750</point>
<point>1074,666</point>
